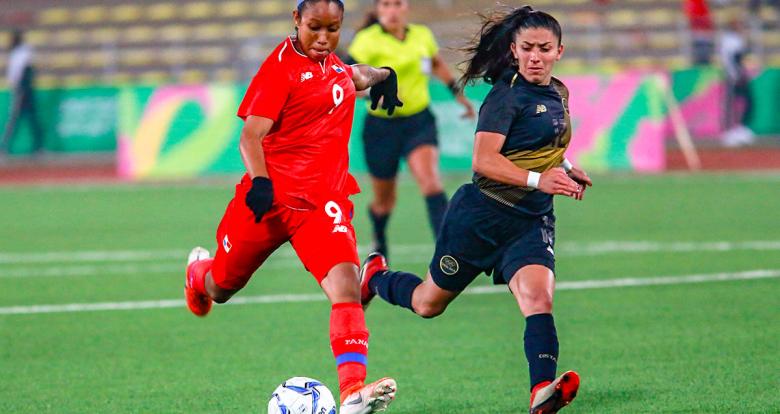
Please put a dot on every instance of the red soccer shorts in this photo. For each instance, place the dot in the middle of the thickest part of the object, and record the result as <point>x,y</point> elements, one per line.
<point>322,238</point>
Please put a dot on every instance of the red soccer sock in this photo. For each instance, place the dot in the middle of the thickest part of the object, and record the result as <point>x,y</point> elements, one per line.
<point>349,341</point>
<point>196,273</point>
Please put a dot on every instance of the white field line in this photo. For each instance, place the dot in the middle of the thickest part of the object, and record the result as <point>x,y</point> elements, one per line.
<point>103,263</point>
<point>482,290</point>
<point>277,263</point>
<point>571,248</point>
<point>606,247</point>
<point>91,256</point>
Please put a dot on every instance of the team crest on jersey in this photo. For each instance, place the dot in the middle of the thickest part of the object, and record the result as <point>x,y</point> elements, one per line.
<point>306,76</point>
<point>338,68</point>
<point>449,265</point>
<point>540,109</point>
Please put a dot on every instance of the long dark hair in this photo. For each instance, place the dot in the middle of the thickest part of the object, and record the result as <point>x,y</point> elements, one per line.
<point>489,52</point>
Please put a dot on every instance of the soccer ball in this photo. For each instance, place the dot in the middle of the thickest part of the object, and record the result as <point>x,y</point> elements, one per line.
<point>301,395</point>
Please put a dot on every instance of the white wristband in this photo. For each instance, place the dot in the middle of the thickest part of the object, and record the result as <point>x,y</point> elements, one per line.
<point>533,179</point>
<point>567,165</point>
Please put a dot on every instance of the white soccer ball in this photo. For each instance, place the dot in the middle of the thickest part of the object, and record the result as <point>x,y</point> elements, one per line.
<point>301,395</point>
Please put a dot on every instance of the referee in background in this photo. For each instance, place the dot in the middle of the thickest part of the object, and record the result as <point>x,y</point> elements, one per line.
<point>387,39</point>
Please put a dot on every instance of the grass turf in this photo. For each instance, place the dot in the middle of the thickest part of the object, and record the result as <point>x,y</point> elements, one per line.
<point>700,348</point>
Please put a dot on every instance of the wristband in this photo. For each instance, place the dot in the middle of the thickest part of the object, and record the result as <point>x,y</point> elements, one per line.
<point>567,165</point>
<point>533,179</point>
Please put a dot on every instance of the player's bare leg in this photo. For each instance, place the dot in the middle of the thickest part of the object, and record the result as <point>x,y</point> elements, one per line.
<point>217,293</point>
<point>349,341</point>
<point>424,298</point>
<point>429,300</point>
<point>533,287</point>
<point>424,165</point>
<point>380,209</point>
<point>199,287</point>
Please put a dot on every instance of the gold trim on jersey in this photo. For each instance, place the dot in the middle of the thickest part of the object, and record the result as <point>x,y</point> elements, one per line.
<point>538,160</point>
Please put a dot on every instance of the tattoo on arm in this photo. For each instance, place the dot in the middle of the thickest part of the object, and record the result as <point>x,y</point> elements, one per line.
<point>368,76</point>
<point>375,76</point>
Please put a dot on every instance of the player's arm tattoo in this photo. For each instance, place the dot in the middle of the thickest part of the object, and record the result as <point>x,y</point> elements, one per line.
<point>365,76</point>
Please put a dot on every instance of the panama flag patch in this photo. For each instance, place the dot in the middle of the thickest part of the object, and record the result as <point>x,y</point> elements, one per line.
<point>226,244</point>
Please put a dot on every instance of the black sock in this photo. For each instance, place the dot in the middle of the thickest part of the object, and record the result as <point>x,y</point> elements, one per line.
<point>437,206</point>
<point>541,347</point>
<point>396,288</point>
<point>379,223</point>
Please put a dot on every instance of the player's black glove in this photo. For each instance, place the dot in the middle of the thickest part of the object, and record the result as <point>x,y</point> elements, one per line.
<point>260,197</point>
<point>387,91</point>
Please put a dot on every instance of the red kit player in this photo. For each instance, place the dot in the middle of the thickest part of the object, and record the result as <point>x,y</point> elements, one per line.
<point>298,117</point>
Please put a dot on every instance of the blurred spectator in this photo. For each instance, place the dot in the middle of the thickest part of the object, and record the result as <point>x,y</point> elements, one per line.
<point>755,5</point>
<point>702,30</point>
<point>738,104</point>
<point>21,80</point>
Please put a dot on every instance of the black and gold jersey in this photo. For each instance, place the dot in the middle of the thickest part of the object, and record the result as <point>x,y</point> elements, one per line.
<point>535,120</point>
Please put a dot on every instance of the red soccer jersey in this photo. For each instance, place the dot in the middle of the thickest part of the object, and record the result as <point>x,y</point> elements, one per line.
<point>312,105</point>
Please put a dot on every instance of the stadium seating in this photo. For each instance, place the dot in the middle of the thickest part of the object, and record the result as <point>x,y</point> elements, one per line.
<point>157,41</point>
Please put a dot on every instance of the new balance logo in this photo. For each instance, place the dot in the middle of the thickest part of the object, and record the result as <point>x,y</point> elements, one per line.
<point>306,76</point>
<point>340,229</point>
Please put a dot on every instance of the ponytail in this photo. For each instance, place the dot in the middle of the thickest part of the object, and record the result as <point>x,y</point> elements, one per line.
<point>489,52</point>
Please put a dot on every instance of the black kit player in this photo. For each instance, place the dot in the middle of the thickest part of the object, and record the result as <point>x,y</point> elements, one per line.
<point>503,222</point>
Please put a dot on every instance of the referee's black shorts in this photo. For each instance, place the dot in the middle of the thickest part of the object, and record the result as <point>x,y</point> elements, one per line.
<point>386,140</point>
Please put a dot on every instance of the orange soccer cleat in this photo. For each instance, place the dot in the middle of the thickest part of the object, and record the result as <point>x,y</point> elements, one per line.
<point>371,398</point>
<point>199,303</point>
<point>549,397</point>
<point>374,263</point>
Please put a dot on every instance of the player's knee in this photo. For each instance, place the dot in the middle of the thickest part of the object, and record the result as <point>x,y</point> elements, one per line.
<point>537,302</point>
<point>431,187</point>
<point>430,310</point>
<point>384,203</point>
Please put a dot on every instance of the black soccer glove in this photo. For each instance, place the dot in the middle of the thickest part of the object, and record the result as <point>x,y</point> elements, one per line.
<point>260,197</point>
<point>387,90</point>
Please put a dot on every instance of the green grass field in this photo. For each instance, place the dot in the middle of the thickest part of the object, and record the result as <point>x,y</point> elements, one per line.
<point>710,347</point>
